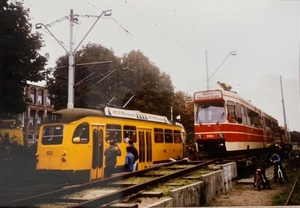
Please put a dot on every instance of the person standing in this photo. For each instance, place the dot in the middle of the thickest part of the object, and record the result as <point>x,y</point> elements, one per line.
<point>224,86</point>
<point>275,159</point>
<point>129,160</point>
<point>126,139</point>
<point>111,153</point>
<point>135,153</point>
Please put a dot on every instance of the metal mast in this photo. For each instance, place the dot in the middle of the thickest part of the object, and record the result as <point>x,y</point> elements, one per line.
<point>284,116</point>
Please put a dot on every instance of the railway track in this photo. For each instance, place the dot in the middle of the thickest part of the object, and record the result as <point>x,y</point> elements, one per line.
<point>296,187</point>
<point>107,191</point>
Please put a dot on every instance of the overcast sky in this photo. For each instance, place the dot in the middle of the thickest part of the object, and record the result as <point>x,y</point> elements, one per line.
<point>174,35</point>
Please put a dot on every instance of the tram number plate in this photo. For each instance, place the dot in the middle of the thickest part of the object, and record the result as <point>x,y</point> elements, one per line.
<point>49,153</point>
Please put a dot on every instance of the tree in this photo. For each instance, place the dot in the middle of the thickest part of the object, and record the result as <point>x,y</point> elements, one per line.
<point>93,84</point>
<point>152,89</point>
<point>295,136</point>
<point>19,58</point>
<point>112,84</point>
<point>186,115</point>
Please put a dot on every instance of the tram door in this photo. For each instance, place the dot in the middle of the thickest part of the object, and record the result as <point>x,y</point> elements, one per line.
<point>97,169</point>
<point>144,148</point>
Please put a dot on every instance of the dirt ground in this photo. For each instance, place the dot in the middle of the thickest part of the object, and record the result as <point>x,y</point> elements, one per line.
<point>247,195</point>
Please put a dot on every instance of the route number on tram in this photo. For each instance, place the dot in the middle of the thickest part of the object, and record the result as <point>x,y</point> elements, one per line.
<point>49,153</point>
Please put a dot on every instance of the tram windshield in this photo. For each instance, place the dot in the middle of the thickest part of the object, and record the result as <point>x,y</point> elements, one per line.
<point>210,113</point>
<point>52,135</point>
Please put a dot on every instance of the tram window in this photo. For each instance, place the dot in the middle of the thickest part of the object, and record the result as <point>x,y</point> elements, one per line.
<point>256,119</point>
<point>244,118</point>
<point>158,135</point>
<point>168,136</point>
<point>81,134</point>
<point>177,136</point>
<point>52,135</point>
<point>129,131</point>
<point>268,124</point>
<point>113,133</point>
<point>238,112</point>
<point>248,116</point>
<point>231,112</point>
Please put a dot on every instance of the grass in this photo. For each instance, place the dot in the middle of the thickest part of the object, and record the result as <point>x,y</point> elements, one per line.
<point>165,188</point>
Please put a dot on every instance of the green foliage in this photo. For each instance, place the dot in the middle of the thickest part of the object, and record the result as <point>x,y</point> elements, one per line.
<point>187,115</point>
<point>295,136</point>
<point>93,84</point>
<point>19,59</point>
<point>113,84</point>
<point>152,89</point>
<point>134,82</point>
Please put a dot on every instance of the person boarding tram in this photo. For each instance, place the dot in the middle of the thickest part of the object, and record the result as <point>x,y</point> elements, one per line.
<point>135,154</point>
<point>111,153</point>
<point>129,160</point>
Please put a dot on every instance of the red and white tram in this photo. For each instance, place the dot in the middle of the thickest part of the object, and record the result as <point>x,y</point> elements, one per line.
<point>227,123</point>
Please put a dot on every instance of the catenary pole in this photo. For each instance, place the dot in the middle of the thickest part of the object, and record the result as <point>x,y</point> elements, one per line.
<point>284,115</point>
<point>71,65</point>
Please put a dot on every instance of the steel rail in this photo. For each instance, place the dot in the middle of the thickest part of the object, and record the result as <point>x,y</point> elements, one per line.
<point>54,195</point>
<point>288,200</point>
<point>102,200</point>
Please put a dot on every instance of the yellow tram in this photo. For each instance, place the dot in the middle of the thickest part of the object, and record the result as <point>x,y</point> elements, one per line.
<point>11,132</point>
<point>74,140</point>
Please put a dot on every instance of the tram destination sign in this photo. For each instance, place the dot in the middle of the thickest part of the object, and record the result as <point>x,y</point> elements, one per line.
<point>208,95</point>
<point>133,114</point>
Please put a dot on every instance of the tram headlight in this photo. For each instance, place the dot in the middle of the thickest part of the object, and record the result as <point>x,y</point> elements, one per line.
<point>64,159</point>
<point>221,136</point>
<point>37,157</point>
<point>199,136</point>
<point>64,153</point>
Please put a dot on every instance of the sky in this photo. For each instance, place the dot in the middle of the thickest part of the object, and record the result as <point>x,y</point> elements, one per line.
<point>188,38</point>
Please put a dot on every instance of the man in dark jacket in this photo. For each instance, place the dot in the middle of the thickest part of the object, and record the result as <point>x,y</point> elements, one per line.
<point>135,154</point>
<point>111,153</point>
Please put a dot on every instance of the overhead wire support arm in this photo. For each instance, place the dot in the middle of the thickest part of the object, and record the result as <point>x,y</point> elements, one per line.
<point>231,53</point>
<point>39,25</point>
<point>57,21</point>
<point>106,13</point>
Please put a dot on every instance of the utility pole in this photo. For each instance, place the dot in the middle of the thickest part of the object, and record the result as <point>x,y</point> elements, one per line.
<point>71,75</point>
<point>207,76</point>
<point>284,116</point>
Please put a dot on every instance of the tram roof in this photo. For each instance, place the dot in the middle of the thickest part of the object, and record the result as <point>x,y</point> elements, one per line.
<point>73,114</point>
